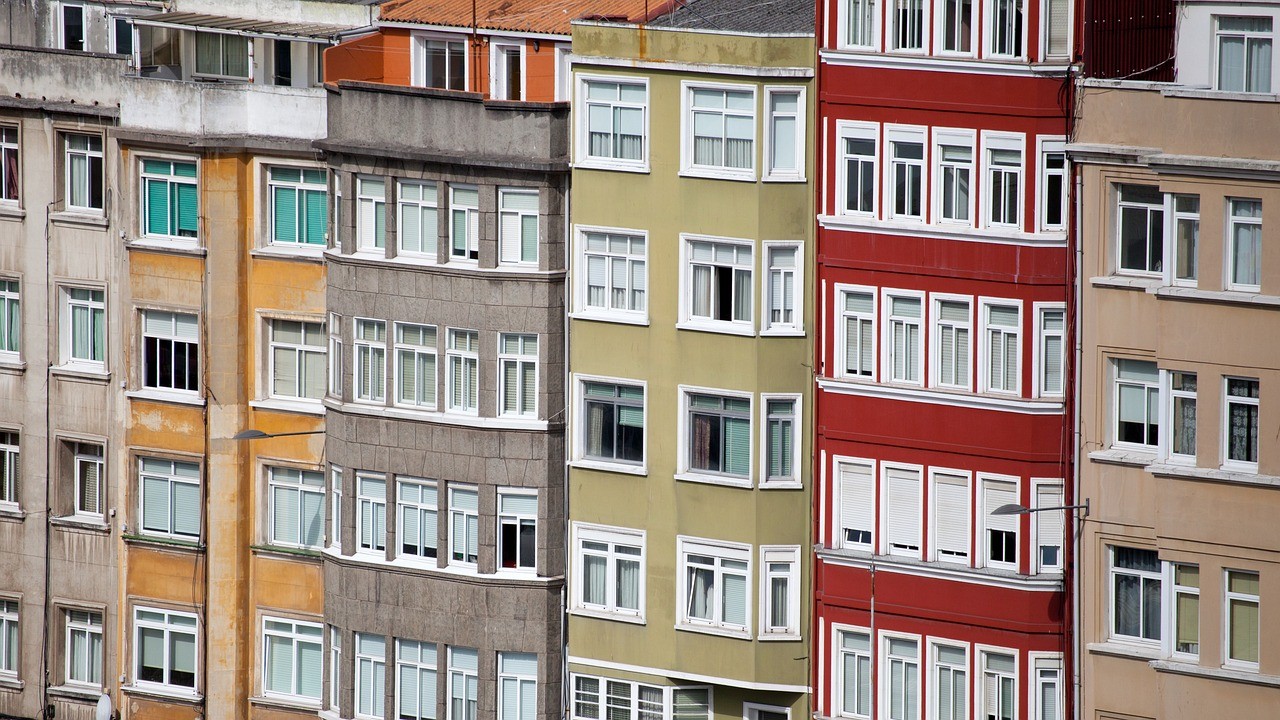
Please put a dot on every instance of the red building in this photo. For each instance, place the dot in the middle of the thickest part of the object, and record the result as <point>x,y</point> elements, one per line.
<point>944,387</point>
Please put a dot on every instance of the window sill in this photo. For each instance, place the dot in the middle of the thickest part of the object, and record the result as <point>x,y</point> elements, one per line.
<point>12,513</point>
<point>164,693</point>
<point>938,396</point>
<point>83,218</point>
<point>1224,673</point>
<point>305,407</point>
<point>1212,475</point>
<point>12,212</point>
<point>85,693</point>
<point>1125,650</point>
<point>172,247</point>
<point>723,480</point>
<point>81,372</point>
<point>710,630</point>
<point>1231,297</point>
<point>164,543</point>
<point>1124,456</point>
<point>445,418</point>
<point>619,319</point>
<point>944,570</point>
<point>722,328</point>
<point>640,470</point>
<point>302,253</point>
<point>8,682</point>
<point>285,703</point>
<point>606,615</point>
<point>780,637</point>
<point>716,174</point>
<point>291,553</point>
<point>607,164</point>
<point>12,365</point>
<point>940,231</point>
<point>1126,282</point>
<point>166,396</point>
<point>782,332</point>
<point>1211,94</point>
<point>79,522</point>
<point>781,485</point>
<point>516,578</point>
<point>783,179</point>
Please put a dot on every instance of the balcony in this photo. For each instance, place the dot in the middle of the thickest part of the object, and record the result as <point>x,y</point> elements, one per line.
<point>76,81</point>
<point>432,125</point>
<point>223,109</point>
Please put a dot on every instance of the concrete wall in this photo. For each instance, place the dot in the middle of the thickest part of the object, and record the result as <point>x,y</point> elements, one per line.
<point>58,76</point>
<point>180,107</point>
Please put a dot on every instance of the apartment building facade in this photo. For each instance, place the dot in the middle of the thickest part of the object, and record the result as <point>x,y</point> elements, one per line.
<point>1178,290</point>
<point>689,363</point>
<point>943,389</point>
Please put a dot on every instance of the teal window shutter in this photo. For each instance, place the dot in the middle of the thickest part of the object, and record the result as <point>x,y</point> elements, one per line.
<point>188,210</point>
<point>157,194</point>
<point>737,440</point>
<point>286,215</point>
<point>317,212</point>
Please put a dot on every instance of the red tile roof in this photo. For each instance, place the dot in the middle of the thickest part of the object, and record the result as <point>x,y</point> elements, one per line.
<point>539,16</point>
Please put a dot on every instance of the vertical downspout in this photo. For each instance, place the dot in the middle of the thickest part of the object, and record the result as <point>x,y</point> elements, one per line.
<point>1077,525</point>
<point>564,419</point>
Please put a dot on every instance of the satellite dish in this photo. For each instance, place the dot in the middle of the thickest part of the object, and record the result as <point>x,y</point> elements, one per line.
<point>104,710</point>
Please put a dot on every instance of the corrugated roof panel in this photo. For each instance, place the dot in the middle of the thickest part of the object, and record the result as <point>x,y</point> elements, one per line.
<point>243,25</point>
<point>536,16</point>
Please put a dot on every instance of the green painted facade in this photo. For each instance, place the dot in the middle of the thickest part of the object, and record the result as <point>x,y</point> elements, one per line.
<point>665,358</point>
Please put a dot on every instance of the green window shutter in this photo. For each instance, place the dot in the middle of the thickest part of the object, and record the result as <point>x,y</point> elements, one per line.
<point>188,209</point>
<point>529,238</point>
<point>317,215</point>
<point>157,194</point>
<point>737,440</point>
<point>186,170</point>
<point>285,206</point>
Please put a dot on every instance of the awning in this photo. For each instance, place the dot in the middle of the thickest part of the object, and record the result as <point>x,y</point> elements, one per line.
<point>304,32</point>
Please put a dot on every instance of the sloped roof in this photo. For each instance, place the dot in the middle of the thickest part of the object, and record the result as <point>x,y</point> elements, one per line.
<point>241,26</point>
<point>538,16</point>
<point>783,17</point>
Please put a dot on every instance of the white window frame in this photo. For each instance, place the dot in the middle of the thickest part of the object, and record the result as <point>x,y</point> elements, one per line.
<point>1171,591</point>
<point>471,225</point>
<point>418,666</point>
<point>1042,522</point>
<point>796,326</point>
<point>97,309</point>
<point>428,193</point>
<point>887,344</point>
<point>954,137</point>
<point>1247,36</point>
<point>935,520</point>
<point>223,39</point>
<point>418,508</point>
<point>871,30</point>
<point>504,257</point>
<point>684,466</point>
<point>895,135</point>
<point>498,49</point>
<point>1175,216</point>
<point>172,478</point>
<point>940,27</point>
<point>524,684</point>
<point>1229,597</point>
<point>887,532</point>
<point>722,551</point>
<point>983,558</point>
<point>82,455</point>
<point>80,622</point>
<point>302,488</point>
<point>300,187</point>
<point>10,629</point>
<point>1169,397</point>
<point>838,657</point>
<point>464,518</point>
<point>687,319</point>
<point>370,205</point>
<point>464,674</point>
<point>564,72</point>
<point>935,340</point>
<point>61,22</point>
<point>172,336</point>
<point>892,28</point>
<point>301,352</point>
<point>688,165</point>
<point>1228,463</point>
<point>465,358</point>
<point>296,637</point>
<point>612,536</point>
<point>419,58</point>
<point>521,358</point>
<point>751,711</point>
<point>335,355</point>
<point>580,457</point>
<point>872,335</point>
<point>582,256</point>
<point>10,146</point>
<point>1047,670</point>
<point>772,174</point>
<point>369,349</point>
<point>518,520</point>
<point>1045,52</point>
<point>885,673</point>
<point>10,319</point>
<point>335,509</point>
<point>582,134</point>
<point>335,673</point>
<point>867,468</point>
<point>792,481</point>
<point>377,505</point>
<point>865,131</point>
<point>1143,576</point>
<point>89,153</point>
<point>980,655</point>
<point>10,468</point>
<point>988,31</point>
<point>377,690</point>
<point>1046,146</point>
<point>985,304</point>
<point>935,665</point>
<point>1148,208</point>
<point>169,179</point>
<point>1039,356</point>
<point>415,352</point>
<point>1147,387</point>
<point>1235,220</point>
<point>779,555</point>
<point>1005,142</point>
<point>168,628</point>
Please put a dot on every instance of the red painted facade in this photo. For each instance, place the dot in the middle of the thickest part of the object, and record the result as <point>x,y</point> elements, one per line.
<point>986,430</point>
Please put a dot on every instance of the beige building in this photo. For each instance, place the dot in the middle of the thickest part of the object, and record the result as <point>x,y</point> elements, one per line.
<point>1180,364</point>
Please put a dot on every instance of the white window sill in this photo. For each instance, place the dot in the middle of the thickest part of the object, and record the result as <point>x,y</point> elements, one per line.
<point>93,523</point>
<point>605,466</point>
<point>1223,475</point>
<point>286,703</point>
<point>1211,94</point>
<point>781,178</point>
<point>1126,282</point>
<point>306,407</point>
<point>85,217</point>
<point>310,253</point>
<point>591,163</point>
<point>166,396</point>
<point>781,485</point>
<point>606,615</point>
<point>686,626</point>
<point>719,174</point>
<point>780,637</point>
<point>517,267</point>
<point>720,327</point>
<point>1240,675</point>
<point>618,318</point>
<point>520,577</point>
<point>861,557</point>
<point>12,363</point>
<point>444,418</point>
<point>11,511</point>
<point>97,373</point>
<point>370,253</point>
<point>1123,649</point>
<point>938,396</point>
<point>70,691</point>
<point>12,211</point>
<point>725,480</point>
<point>1177,292</point>
<point>11,682</point>
<point>164,693</point>
<point>174,247</point>
<point>782,332</point>
<point>867,222</point>
<point>1124,456</point>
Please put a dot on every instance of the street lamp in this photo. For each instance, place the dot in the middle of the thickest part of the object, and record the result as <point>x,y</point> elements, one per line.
<point>1016,509</point>
<point>256,434</point>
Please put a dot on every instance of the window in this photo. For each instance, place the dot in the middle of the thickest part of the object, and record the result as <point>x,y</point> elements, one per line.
<point>517,530</point>
<point>335,354</point>
<point>906,174</point>
<point>371,213</point>
<point>371,674</point>
<point>1005,28</point>
<point>1182,416</point>
<point>1244,54</point>
<point>517,686</point>
<point>170,497</point>
<point>518,376</point>
<point>298,361</point>
<point>719,436</point>
<point>780,591</point>
<point>507,72</point>
<point>1246,245</point>
<point>1186,609</point>
<point>416,680</point>
<point>785,135</point>
<point>9,468</point>
<point>121,36</point>
<point>1241,440</point>
<point>1001,534</point>
<point>613,427</point>
<point>720,130</point>
<point>84,647</point>
<point>370,343</point>
<point>88,469</point>
<point>84,337</point>
<point>563,72</point>
<point>1137,403</point>
<point>858,165</point>
<point>1051,348</point>
<point>299,205</point>
<point>719,282</point>
<point>419,517</point>
<point>166,648</point>
<point>464,683</point>
<point>715,578</point>
<point>781,441</point>
<point>1140,229</point>
<point>908,18</point>
<point>783,291</point>
<point>1050,527</point>
<point>10,318</point>
<point>335,664</point>
<point>297,507</point>
<point>903,346</point>
<point>170,204</point>
<point>950,517</point>
<point>84,172</point>
<point>222,55</point>
<point>170,351</point>
<point>9,638</point>
<point>954,177</point>
<point>444,64</point>
<point>464,222</point>
<point>416,365</point>
<point>616,276</point>
<point>518,226</point>
<point>615,124</point>
<point>901,518</point>
<point>901,679</point>
<point>1002,334</point>
<point>293,655</point>
<point>416,212</point>
<point>371,523</point>
<point>950,683</point>
<point>1242,617</point>
<point>464,526</point>
<point>611,570</point>
<point>335,512</point>
<point>1057,31</point>
<point>952,344</point>
<point>853,655</point>
<point>10,179</point>
<point>1135,594</point>
<point>73,27</point>
<point>859,346</point>
<point>464,366</point>
<point>957,26</point>
<point>1186,233</point>
<point>857,504</point>
<point>999,686</point>
<point>1053,181</point>
<point>1004,180</point>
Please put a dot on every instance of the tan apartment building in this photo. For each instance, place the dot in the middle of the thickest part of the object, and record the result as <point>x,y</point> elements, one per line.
<point>1179,188</point>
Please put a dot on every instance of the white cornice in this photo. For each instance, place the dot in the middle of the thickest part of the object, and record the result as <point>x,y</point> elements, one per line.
<point>940,397</point>
<point>801,73</point>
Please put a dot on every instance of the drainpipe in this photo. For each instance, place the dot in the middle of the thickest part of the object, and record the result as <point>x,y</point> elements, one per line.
<point>565,690</point>
<point>1077,524</point>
